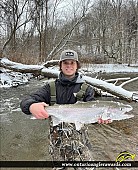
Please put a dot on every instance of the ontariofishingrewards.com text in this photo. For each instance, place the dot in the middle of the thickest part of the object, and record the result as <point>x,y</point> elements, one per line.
<point>96,164</point>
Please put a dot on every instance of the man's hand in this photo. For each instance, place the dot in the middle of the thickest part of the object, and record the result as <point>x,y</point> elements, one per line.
<point>38,110</point>
<point>101,121</point>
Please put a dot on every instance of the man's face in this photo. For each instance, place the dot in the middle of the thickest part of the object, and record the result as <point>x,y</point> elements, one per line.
<point>69,68</point>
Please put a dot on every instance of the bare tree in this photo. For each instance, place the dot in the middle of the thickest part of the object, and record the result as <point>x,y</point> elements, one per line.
<point>104,31</point>
<point>13,12</point>
<point>37,30</point>
<point>132,31</point>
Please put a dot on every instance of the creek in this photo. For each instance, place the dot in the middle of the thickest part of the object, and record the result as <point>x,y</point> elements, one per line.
<point>25,139</point>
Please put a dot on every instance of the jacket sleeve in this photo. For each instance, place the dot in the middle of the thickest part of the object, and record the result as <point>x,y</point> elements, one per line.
<point>41,95</point>
<point>89,95</point>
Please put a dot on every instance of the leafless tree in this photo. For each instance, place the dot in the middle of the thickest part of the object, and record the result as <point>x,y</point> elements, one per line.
<point>12,16</point>
<point>37,30</point>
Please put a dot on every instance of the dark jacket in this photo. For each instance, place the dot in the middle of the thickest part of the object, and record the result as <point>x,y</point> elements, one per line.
<point>65,90</point>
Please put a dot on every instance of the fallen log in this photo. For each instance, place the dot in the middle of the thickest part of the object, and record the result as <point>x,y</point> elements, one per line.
<point>23,68</point>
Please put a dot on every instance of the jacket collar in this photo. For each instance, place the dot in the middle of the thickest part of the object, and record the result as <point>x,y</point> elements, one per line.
<point>76,79</point>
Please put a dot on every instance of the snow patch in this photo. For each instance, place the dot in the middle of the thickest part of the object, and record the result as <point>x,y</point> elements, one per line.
<point>13,79</point>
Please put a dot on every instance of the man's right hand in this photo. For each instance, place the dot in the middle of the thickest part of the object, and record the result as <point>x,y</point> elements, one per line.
<point>38,110</point>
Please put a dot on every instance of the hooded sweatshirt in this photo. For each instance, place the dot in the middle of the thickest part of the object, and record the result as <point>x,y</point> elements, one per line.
<point>65,90</point>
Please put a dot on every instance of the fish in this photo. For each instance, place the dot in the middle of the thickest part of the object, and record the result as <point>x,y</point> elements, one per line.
<point>82,113</point>
<point>125,155</point>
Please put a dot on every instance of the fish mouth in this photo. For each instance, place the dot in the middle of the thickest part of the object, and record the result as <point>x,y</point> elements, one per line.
<point>124,107</point>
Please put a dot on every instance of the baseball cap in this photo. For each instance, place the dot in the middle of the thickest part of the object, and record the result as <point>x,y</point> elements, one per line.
<point>68,54</point>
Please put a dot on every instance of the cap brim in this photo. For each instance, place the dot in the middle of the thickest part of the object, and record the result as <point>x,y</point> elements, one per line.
<point>68,59</point>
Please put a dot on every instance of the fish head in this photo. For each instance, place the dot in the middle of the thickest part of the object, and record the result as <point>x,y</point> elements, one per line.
<point>124,108</point>
<point>133,156</point>
<point>127,156</point>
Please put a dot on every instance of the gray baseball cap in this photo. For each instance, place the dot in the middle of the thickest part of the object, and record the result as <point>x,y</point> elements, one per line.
<point>68,54</point>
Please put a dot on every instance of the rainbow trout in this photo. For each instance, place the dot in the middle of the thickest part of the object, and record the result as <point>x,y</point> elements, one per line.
<point>88,112</point>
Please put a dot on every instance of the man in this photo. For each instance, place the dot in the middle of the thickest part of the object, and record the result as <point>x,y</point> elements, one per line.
<point>68,83</point>
<point>66,143</point>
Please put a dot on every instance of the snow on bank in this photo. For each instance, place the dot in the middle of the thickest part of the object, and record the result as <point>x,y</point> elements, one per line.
<point>110,68</point>
<point>13,79</point>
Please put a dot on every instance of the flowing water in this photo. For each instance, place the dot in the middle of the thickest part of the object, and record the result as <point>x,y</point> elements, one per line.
<point>25,139</point>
